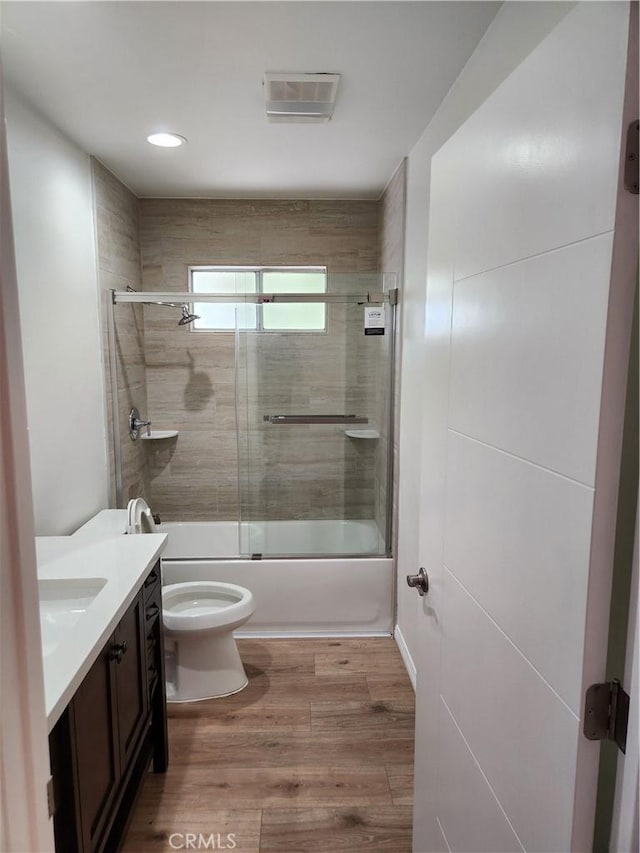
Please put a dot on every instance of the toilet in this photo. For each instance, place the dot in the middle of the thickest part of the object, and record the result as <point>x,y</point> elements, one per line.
<point>200,617</point>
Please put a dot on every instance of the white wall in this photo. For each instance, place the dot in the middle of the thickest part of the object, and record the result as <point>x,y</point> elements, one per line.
<point>24,748</point>
<point>53,220</point>
<point>515,31</point>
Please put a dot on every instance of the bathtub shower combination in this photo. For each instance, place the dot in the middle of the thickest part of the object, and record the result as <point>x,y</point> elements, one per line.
<point>262,436</point>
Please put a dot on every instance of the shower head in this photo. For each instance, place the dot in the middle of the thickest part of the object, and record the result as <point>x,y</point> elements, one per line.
<point>187,317</point>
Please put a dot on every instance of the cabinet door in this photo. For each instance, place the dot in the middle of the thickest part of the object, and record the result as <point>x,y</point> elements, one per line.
<point>132,699</point>
<point>97,753</point>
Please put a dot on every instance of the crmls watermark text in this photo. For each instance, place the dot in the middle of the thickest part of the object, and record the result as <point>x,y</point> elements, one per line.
<point>200,841</point>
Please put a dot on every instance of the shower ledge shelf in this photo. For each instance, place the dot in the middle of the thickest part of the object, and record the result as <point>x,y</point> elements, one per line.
<point>362,433</point>
<point>157,434</point>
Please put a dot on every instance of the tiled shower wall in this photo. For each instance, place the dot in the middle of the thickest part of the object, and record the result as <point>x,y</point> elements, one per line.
<point>286,472</point>
<point>118,250</point>
<point>187,380</point>
<point>391,260</point>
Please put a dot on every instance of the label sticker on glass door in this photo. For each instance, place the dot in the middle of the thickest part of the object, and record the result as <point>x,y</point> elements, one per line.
<point>374,320</point>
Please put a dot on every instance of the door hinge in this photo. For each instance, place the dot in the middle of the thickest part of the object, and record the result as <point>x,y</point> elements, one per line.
<point>606,713</point>
<point>51,797</point>
<point>631,158</point>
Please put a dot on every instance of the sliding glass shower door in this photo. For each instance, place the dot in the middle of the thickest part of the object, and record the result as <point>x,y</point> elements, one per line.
<point>313,387</point>
<point>269,395</point>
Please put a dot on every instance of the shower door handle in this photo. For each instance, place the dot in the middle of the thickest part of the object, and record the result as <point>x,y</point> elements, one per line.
<point>419,582</point>
<point>315,419</point>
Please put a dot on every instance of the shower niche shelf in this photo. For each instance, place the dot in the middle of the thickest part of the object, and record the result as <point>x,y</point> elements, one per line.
<point>362,433</point>
<point>159,434</point>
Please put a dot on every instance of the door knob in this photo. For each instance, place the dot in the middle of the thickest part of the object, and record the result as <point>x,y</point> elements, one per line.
<point>419,582</point>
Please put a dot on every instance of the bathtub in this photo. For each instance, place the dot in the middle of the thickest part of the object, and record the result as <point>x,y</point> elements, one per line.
<point>295,594</point>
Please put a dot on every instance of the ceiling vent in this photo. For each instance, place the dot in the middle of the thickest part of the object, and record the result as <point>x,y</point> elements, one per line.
<point>300,97</point>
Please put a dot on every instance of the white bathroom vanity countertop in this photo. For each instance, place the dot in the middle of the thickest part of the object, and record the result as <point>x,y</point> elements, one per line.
<point>103,525</point>
<point>116,564</point>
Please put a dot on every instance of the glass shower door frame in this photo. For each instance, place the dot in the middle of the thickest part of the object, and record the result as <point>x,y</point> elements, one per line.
<point>387,297</point>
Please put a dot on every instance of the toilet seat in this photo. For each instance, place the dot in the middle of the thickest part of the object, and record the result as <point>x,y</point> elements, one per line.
<point>205,605</point>
<point>139,517</point>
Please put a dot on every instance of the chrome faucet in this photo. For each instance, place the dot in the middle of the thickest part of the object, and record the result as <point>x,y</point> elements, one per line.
<point>136,424</point>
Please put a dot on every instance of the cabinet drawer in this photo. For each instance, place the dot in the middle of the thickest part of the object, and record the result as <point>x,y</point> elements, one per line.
<point>153,657</point>
<point>152,583</point>
<point>152,610</point>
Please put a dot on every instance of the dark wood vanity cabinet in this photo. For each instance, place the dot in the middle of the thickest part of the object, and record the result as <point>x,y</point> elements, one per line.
<point>114,726</point>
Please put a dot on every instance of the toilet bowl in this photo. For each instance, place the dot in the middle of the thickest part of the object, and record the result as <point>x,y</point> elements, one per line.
<point>200,617</point>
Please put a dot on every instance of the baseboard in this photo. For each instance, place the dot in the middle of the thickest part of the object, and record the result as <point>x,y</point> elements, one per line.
<point>301,635</point>
<point>406,656</point>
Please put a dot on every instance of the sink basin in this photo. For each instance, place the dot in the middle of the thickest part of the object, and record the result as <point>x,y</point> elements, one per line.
<point>62,602</point>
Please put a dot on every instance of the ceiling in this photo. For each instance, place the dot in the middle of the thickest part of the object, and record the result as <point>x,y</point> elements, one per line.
<point>110,73</point>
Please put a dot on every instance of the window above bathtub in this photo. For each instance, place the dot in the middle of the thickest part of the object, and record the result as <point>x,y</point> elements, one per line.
<point>248,314</point>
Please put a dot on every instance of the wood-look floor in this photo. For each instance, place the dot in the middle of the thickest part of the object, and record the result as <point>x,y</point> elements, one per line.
<point>315,754</point>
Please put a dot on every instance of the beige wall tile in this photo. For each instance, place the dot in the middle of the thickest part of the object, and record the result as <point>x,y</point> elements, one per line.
<point>297,474</point>
<point>118,250</point>
<point>188,380</point>
<point>391,259</point>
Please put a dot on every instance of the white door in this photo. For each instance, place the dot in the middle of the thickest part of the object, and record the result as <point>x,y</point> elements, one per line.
<point>527,337</point>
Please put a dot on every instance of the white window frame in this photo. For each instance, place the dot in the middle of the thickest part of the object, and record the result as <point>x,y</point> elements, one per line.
<point>259,273</point>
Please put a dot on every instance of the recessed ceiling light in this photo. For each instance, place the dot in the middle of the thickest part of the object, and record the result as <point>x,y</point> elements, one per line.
<point>166,140</point>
